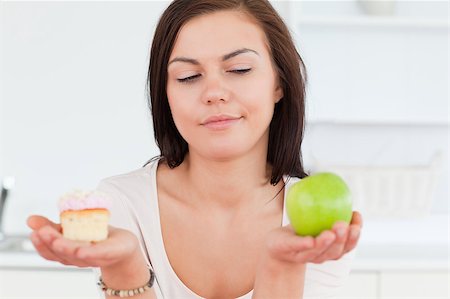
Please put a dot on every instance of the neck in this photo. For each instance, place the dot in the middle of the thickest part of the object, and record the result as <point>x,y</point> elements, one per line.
<point>229,184</point>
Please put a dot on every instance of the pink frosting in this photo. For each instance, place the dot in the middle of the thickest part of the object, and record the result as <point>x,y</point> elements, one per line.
<point>79,200</point>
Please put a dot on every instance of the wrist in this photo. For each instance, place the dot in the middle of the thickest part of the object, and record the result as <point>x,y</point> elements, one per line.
<point>127,273</point>
<point>275,266</point>
<point>279,279</point>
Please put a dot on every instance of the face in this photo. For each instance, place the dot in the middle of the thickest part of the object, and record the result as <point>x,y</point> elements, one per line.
<point>222,86</point>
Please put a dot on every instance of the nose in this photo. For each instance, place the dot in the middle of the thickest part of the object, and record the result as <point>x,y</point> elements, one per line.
<point>215,91</point>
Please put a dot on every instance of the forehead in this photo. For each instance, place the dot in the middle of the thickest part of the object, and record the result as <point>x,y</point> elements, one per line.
<point>215,34</point>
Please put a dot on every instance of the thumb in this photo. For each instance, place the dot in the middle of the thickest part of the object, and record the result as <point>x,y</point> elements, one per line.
<point>36,222</point>
<point>296,242</point>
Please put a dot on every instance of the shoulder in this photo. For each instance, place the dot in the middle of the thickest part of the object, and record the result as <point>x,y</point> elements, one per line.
<point>124,182</point>
<point>131,177</point>
<point>129,193</point>
<point>290,180</point>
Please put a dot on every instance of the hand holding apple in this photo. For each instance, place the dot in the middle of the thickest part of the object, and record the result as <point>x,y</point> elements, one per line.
<point>323,226</point>
<point>285,247</point>
<point>283,262</point>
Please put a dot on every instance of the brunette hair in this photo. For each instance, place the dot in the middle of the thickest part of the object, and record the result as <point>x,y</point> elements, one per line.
<point>287,125</point>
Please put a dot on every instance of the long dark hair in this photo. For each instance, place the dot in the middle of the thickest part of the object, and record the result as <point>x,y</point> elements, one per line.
<point>287,125</point>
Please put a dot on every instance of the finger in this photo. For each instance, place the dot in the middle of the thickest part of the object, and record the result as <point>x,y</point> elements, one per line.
<point>319,244</point>
<point>354,234</point>
<point>293,252</point>
<point>357,219</point>
<point>99,257</point>
<point>324,240</point>
<point>285,241</point>
<point>48,234</point>
<point>97,254</point>
<point>36,222</point>
<point>107,251</point>
<point>322,243</point>
<point>94,259</point>
<point>296,243</point>
<point>42,249</point>
<point>68,250</point>
<point>336,249</point>
<point>57,246</point>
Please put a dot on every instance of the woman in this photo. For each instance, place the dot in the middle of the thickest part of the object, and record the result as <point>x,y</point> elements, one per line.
<point>207,217</point>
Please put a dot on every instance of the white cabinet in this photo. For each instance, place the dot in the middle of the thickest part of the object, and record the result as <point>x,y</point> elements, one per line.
<point>61,284</point>
<point>362,284</point>
<point>426,284</point>
<point>388,284</point>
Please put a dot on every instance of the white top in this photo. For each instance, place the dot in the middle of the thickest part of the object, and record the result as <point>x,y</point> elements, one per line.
<point>135,208</point>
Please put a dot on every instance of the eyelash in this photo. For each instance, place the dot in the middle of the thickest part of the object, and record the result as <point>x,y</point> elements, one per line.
<point>194,77</point>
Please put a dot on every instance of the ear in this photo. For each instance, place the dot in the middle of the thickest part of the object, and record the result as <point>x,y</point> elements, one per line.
<point>278,94</point>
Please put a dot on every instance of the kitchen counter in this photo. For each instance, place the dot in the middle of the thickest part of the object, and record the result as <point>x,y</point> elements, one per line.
<point>401,257</point>
<point>368,258</point>
<point>29,260</point>
<point>415,244</point>
<point>407,244</point>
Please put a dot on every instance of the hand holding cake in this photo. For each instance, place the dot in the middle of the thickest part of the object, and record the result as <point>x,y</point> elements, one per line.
<point>84,238</point>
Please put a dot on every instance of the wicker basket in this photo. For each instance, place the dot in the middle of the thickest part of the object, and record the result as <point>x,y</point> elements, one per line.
<point>390,191</point>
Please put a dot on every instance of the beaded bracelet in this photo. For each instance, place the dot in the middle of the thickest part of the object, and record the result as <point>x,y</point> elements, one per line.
<point>127,293</point>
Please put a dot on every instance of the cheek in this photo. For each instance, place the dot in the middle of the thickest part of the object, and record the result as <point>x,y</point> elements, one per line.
<point>258,97</point>
<point>177,101</point>
<point>180,103</point>
<point>179,112</point>
<point>182,97</point>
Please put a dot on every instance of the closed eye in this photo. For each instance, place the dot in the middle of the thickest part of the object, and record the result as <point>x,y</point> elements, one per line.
<point>188,79</point>
<point>241,71</point>
<point>194,77</point>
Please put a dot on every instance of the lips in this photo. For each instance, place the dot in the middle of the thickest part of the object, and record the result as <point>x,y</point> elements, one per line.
<point>219,118</point>
<point>220,122</point>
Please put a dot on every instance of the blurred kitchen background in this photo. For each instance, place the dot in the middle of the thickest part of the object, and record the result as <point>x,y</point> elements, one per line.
<point>73,110</point>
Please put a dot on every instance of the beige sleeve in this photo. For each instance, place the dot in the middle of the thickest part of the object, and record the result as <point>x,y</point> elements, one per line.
<point>325,280</point>
<point>122,216</point>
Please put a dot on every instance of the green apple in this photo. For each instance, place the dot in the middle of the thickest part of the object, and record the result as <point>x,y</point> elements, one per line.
<point>316,202</point>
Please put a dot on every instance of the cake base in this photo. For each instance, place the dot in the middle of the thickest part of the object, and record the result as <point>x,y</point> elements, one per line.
<point>85,225</point>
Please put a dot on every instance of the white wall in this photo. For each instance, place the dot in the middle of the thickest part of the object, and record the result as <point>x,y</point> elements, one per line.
<point>74,107</point>
<point>73,104</point>
<point>1,85</point>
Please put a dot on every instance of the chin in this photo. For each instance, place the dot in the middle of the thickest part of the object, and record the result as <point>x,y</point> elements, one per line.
<point>224,153</point>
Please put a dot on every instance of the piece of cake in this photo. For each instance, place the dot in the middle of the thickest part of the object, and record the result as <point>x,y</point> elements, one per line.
<point>84,215</point>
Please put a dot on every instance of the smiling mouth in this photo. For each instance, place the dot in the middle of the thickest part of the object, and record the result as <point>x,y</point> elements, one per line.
<point>221,123</point>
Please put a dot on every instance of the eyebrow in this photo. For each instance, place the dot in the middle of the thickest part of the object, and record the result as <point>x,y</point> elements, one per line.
<point>224,57</point>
